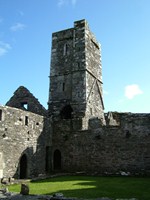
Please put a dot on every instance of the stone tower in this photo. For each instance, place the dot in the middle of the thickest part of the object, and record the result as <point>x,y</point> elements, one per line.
<point>76,75</point>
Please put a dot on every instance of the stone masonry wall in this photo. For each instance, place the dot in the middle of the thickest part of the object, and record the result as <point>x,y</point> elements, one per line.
<point>1,164</point>
<point>76,136</point>
<point>67,73</point>
<point>22,132</point>
<point>89,140</point>
<point>106,149</point>
<point>76,75</point>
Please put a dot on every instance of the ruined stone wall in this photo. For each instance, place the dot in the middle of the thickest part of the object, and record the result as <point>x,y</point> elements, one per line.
<point>22,133</point>
<point>105,149</point>
<point>77,135</point>
<point>89,140</point>
<point>24,99</point>
<point>1,165</point>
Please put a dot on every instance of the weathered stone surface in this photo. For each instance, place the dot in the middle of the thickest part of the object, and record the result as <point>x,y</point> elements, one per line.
<point>24,135</point>
<point>13,196</point>
<point>75,75</point>
<point>24,189</point>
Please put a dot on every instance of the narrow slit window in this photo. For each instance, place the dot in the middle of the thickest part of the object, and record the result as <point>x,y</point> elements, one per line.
<point>26,120</point>
<point>63,87</point>
<point>65,49</point>
<point>91,111</point>
<point>0,115</point>
<point>78,65</point>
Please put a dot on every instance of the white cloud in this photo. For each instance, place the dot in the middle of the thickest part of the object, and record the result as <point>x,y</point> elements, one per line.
<point>132,90</point>
<point>17,27</point>
<point>66,2</point>
<point>4,47</point>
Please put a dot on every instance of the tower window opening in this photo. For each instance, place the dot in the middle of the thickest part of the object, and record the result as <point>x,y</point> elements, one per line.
<point>66,112</point>
<point>63,87</point>
<point>26,120</point>
<point>0,115</point>
<point>91,111</point>
<point>66,49</point>
<point>78,64</point>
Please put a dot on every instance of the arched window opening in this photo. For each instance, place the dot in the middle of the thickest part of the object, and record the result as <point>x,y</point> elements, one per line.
<point>57,160</point>
<point>66,49</point>
<point>66,112</point>
<point>23,167</point>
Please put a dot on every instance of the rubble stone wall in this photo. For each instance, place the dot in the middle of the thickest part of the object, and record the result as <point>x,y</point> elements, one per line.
<point>22,133</point>
<point>25,100</point>
<point>106,149</point>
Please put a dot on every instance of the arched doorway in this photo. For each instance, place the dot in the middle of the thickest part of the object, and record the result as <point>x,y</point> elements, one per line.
<point>23,167</point>
<point>57,160</point>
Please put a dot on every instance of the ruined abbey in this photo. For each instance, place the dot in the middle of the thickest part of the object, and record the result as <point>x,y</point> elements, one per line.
<point>74,134</point>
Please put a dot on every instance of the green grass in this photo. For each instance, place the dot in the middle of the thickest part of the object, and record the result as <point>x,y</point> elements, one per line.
<point>92,187</point>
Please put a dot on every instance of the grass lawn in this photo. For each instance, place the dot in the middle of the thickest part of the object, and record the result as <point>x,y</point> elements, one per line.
<point>92,187</point>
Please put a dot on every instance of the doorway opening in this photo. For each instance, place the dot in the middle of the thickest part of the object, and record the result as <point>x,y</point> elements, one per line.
<point>57,160</point>
<point>23,167</point>
<point>66,112</point>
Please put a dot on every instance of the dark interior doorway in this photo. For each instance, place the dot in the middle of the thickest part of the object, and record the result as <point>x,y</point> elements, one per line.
<point>23,167</point>
<point>57,160</point>
<point>66,112</point>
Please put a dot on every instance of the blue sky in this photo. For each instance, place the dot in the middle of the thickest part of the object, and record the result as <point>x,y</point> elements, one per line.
<point>121,26</point>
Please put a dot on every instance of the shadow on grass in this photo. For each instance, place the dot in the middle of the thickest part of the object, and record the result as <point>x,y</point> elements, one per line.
<point>95,187</point>
<point>92,187</point>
